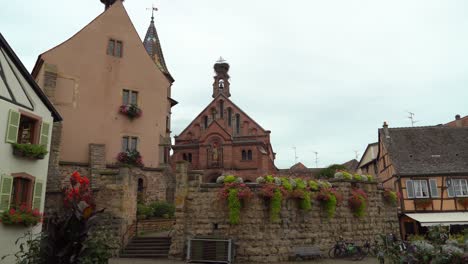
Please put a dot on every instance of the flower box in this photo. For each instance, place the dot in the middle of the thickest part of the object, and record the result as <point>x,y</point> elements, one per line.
<point>131,111</point>
<point>130,158</point>
<point>29,151</point>
<point>23,216</point>
<point>422,203</point>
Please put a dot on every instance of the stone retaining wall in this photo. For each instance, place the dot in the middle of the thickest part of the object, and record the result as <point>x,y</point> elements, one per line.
<point>200,213</point>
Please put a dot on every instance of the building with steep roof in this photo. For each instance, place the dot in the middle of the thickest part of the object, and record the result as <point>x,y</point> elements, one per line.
<point>428,166</point>
<point>368,162</point>
<point>114,91</point>
<point>458,122</point>
<point>223,139</point>
<point>27,117</point>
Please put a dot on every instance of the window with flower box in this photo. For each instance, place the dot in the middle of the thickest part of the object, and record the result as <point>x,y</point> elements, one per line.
<point>129,144</point>
<point>130,97</point>
<point>20,189</point>
<point>422,188</point>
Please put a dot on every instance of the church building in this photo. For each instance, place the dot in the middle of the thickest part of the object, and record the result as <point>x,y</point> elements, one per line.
<point>223,139</point>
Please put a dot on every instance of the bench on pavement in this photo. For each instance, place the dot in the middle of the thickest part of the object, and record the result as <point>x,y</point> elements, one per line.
<point>306,252</point>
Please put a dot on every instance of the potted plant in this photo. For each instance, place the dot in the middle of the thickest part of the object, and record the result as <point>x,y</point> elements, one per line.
<point>234,192</point>
<point>130,110</point>
<point>30,151</point>
<point>23,215</point>
<point>130,158</point>
<point>303,194</point>
<point>357,202</point>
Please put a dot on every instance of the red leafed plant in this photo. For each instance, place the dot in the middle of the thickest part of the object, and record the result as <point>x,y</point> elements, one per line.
<point>23,215</point>
<point>357,202</point>
<point>79,191</point>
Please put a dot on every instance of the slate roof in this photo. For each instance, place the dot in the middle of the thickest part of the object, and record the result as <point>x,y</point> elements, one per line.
<point>153,47</point>
<point>351,165</point>
<point>427,150</point>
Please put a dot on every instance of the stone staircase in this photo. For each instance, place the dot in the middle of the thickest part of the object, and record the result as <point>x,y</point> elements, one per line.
<point>147,247</point>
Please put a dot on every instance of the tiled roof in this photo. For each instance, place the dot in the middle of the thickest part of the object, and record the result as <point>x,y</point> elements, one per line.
<point>153,47</point>
<point>351,165</point>
<point>427,150</point>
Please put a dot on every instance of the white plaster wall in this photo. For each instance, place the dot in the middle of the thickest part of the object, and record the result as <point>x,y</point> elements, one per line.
<point>12,164</point>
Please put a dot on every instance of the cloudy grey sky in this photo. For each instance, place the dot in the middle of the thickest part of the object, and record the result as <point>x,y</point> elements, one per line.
<point>321,75</point>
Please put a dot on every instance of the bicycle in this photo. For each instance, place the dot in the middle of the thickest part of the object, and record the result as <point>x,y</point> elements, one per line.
<point>344,249</point>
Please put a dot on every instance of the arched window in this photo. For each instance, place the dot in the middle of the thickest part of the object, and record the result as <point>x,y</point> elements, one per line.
<point>140,185</point>
<point>184,157</point>
<point>205,122</point>
<point>237,124</point>
<point>221,109</point>
<point>244,155</point>
<point>249,155</point>
<point>190,157</point>
<point>221,84</point>
<point>229,116</point>
<point>213,114</point>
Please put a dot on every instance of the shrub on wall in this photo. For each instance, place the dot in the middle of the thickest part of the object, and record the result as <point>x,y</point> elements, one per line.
<point>329,199</point>
<point>273,190</point>
<point>330,171</point>
<point>31,151</point>
<point>234,191</point>
<point>303,194</point>
<point>390,197</point>
<point>162,209</point>
<point>357,202</point>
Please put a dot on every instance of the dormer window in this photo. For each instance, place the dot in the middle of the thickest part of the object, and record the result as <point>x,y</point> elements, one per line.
<point>114,48</point>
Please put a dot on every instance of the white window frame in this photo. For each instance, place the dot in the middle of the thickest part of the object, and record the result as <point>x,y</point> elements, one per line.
<point>460,187</point>
<point>420,187</point>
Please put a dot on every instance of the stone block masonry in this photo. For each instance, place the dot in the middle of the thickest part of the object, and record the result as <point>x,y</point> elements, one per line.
<point>258,240</point>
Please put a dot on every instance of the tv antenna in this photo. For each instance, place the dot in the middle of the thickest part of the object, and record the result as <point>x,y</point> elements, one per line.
<point>356,154</point>
<point>316,158</point>
<point>411,118</point>
<point>295,155</point>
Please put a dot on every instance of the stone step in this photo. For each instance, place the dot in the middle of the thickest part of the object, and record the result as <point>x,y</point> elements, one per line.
<point>152,238</point>
<point>145,251</point>
<point>148,256</point>
<point>146,246</point>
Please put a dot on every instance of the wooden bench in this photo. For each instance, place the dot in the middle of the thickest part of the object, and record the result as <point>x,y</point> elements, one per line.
<point>310,252</point>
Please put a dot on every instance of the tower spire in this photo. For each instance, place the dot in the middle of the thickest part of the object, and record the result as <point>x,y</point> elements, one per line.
<point>221,79</point>
<point>153,46</point>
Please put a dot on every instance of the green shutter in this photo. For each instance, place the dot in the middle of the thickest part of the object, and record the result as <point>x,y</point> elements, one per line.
<point>37,198</point>
<point>45,128</point>
<point>6,186</point>
<point>13,126</point>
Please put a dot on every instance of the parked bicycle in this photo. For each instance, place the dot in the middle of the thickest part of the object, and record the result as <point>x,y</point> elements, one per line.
<point>345,249</point>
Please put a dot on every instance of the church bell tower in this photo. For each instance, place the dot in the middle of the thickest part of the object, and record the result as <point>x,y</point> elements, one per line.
<point>221,79</point>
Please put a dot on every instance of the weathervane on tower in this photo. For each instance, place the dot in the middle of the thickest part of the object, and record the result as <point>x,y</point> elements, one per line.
<point>152,11</point>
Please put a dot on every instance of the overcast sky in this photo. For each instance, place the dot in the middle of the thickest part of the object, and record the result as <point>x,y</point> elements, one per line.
<point>321,75</point>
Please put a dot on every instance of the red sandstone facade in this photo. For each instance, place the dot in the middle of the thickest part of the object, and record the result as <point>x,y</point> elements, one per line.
<point>223,139</point>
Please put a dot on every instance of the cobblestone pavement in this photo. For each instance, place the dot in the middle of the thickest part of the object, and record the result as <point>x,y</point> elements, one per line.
<point>165,261</point>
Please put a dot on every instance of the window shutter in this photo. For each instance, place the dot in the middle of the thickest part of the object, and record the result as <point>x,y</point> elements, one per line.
<point>6,186</point>
<point>433,186</point>
<point>13,126</point>
<point>449,187</point>
<point>45,128</point>
<point>37,198</point>
<point>409,189</point>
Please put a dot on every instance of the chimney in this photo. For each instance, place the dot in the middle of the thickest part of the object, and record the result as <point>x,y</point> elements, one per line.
<point>385,129</point>
<point>458,122</point>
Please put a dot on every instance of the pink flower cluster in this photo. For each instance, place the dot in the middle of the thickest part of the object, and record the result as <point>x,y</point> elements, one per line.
<point>243,191</point>
<point>130,158</point>
<point>132,111</point>
<point>325,194</point>
<point>268,190</point>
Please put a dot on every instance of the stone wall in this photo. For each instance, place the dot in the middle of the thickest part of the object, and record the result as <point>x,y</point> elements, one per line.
<point>256,239</point>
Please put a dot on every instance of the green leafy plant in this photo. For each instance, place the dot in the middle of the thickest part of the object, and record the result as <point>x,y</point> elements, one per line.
<point>234,192</point>
<point>32,151</point>
<point>286,184</point>
<point>357,177</point>
<point>274,193</point>
<point>162,209</point>
<point>229,179</point>
<point>144,211</point>
<point>302,193</point>
<point>329,199</point>
<point>347,175</point>
<point>357,202</point>
<point>313,184</point>
<point>99,247</point>
<point>30,251</point>
<point>390,197</point>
